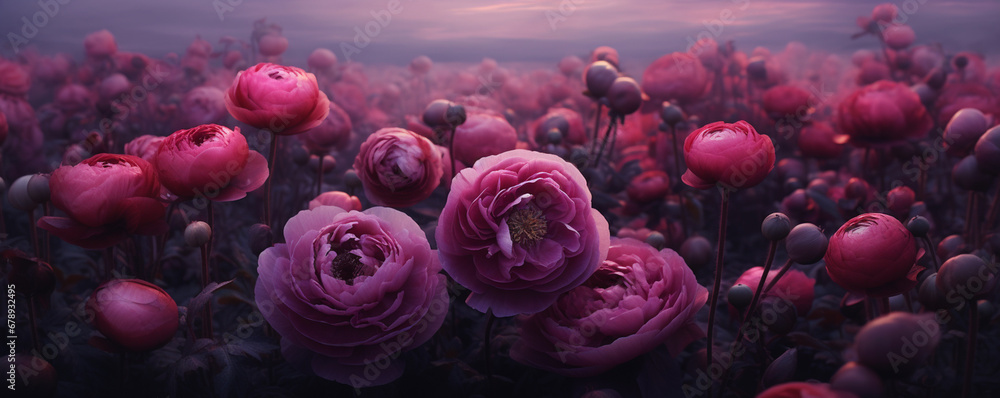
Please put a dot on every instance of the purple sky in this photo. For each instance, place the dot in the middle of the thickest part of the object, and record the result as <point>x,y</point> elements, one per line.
<point>468,30</point>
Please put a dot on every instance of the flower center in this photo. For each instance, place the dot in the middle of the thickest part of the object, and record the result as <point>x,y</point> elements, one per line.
<point>527,225</point>
<point>347,265</point>
<point>607,276</point>
<point>203,138</point>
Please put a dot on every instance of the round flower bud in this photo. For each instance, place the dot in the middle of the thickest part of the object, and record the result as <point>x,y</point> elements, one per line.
<point>134,314</point>
<point>928,294</point>
<point>856,188</point>
<point>806,244</point>
<point>776,226</point>
<point>987,151</point>
<point>968,176</point>
<point>782,369</point>
<point>657,240</point>
<point>197,234</point>
<point>18,194</point>
<point>918,226</point>
<point>872,254</point>
<point>696,251</point>
<point>624,96</point>
<point>671,114</point>
<point>966,277</point>
<point>352,180</point>
<point>329,163</point>
<point>986,311</point>
<point>859,380</point>
<point>38,188</point>
<point>951,246</point>
<point>554,136</point>
<point>261,238</point>
<point>964,130</point>
<point>757,69</point>
<point>881,342</point>
<point>599,76</point>
<point>740,296</point>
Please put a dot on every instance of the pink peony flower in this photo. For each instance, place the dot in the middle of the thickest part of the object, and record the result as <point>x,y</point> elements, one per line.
<point>14,80</point>
<point>134,314</point>
<point>818,140</point>
<point>733,155</point>
<point>210,161</point>
<point>203,105</point>
<point>333,133</point>
<point>322,60</point>
<point>898,37</point>
<point>883,113</point>
<point>284,100</point>
<point>350,289</point>
<point>675,77</point>
<point>794,286</point>
<point>518,230</point>
<point>482,135</point>
<point>873,254</point>
<point>800,389</point>
<point>73,98</point>
<point>787,101</point>
<point>336,198</point>
<point>637,300</point>
<point>100,44</point>
<point>398,167</point>
<point>106,197</point>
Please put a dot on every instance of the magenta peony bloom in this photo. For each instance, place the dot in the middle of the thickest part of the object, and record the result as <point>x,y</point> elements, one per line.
<point>106,197</point>
<point>482,135</point>
<point>210,161</point>
<point>350,290</point>
<point>284,100</point>
<point>638,299</point>
<point>203,105</point>
<point>873,254</point>
<point>333,133</point>
<point>732,155</point>
<point>145,147</point>
<point>100,44</point>
<point>336,198</point>
<point>882,114</point>
<point>800,389</point>
<point>818,140</point>
<point>134,314</point>
<point>675,77</point>
<point>795,286</point>
<point>518,230</point>
<point>14,80</point>
<point>787,101</point>
<point>398,167</point>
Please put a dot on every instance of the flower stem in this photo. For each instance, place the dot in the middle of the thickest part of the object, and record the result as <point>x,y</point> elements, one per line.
<point>931,252</point>
<point>612,130</point>
<point>597,127</point>
<point>723,215</point>
<point>319,177</point>
<point>206,318</point>
<point>781,272</point>
<point>763,278</point>
<point>34,234</point>
<point>271,160</point>
<point>451,153</point>
<point>970,348</point>
<point>751,310</point>
<point>677,155</point>
<point>490,318</point>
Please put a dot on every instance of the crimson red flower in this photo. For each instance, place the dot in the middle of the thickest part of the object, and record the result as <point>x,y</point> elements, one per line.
<point>210,161</point>
<point>787,101</point>
<point>134,314</point>
<point>284,100</point>
<point>794,286</point>
<point>818,140</point>
<point>873,254</point>
<point>333,133</point>
<point>882,114</point>
<point>733,155</point>
<point>106,197</point>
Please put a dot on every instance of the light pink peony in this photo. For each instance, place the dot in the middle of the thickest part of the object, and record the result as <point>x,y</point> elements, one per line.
<point>14,80</point>
<point>284,100</point>
<point>637,300</point>
<point>350,289</point>
<point>675,77</point>
<point>203,105</point>
<point>518,230</point>
<point>100,44</point>
<point>145,147</point>
<point>338,199</point>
